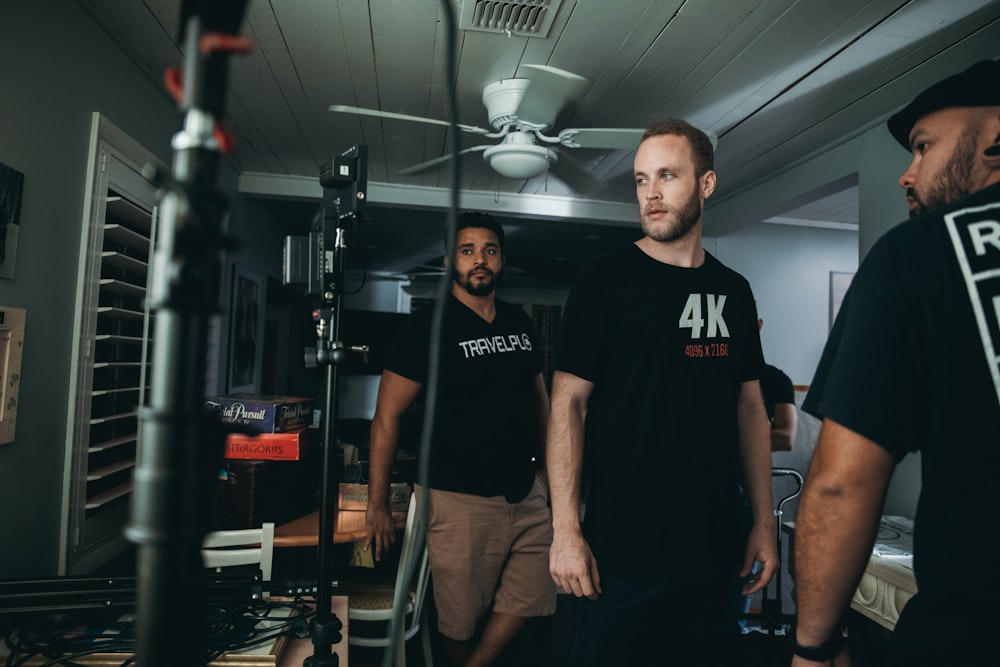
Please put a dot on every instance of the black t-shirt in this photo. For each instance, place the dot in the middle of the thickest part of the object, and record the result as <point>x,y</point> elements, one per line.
<point>776,388</point>
<point>487,432</point>
<point>912,365</point>
<point>667,349</point>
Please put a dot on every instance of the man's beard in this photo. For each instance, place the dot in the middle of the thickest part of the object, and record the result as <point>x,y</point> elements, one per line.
<point>954,181</point>
<point>480,289</point>
<point>678,222</point>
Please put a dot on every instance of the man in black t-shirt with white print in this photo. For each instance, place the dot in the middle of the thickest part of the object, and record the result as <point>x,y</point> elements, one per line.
<point>489,527</point>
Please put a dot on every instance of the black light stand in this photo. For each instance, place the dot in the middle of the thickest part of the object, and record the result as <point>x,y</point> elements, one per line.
<point>178,446</point>
<point>773,619</point>
<point>344,196</point>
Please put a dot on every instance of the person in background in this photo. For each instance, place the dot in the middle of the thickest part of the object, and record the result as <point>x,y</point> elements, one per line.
<point>779,401</point>
<point>656,402</point>
<point>911,365</point>
<point>489,526</point>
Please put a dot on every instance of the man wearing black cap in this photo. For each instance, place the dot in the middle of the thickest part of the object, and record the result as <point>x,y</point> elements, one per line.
<point>912,365</point>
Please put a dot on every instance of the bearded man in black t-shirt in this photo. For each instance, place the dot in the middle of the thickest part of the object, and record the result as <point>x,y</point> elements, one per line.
<point>912,365</point>
<point>489,527</point>
<point>656,403</point>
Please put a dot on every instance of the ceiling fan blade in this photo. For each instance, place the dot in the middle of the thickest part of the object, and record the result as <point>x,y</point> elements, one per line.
<point>361,111</point>
<point>598,137</point>
<point>572,173</point>
<point>444,158</point>
<point>548,92</point>
<point>626,138</point>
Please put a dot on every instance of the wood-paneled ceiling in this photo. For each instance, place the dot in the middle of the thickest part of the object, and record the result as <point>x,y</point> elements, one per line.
<point>776,80</point>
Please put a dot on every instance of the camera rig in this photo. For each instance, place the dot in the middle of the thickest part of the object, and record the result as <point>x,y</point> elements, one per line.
<point>318,261</point>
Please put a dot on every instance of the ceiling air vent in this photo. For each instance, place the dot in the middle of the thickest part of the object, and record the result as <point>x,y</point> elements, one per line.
<point>528,18</point>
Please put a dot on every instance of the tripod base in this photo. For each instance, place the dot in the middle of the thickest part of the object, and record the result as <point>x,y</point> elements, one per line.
<point>324,635</point>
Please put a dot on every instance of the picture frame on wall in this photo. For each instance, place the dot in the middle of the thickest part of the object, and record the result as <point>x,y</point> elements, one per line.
<point>11,186</point>
<point>839,282</point>
<point>246,340</point>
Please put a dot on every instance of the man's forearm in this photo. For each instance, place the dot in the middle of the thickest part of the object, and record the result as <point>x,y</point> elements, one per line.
<point>833,542</point>
<point>563,464</point>
<point>757,484</point>
<point>783,427</point>
<point>564,458</point>
<point>395,394</point>
<point>835,528</point>
<point>781,440</point>
<point>755,457</point>
<point>381,457</point>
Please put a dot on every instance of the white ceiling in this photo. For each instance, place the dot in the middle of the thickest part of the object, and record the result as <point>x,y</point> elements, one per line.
<point>776,80</point>
<point>836,211</point>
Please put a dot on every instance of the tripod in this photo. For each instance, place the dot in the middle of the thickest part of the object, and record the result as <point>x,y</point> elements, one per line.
<point>328,242</point>
<point>772,618</point>
<point>178,439</point>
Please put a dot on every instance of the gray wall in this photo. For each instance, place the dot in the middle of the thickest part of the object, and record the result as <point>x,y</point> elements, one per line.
<point>874,161</point>
<point>58,69</point>
<point>48,93</point>
<point>789,271</point>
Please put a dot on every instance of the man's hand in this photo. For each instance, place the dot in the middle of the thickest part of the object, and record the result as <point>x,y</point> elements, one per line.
<point>381,531</point>
<point>761,548</point>
<point>573,567</point>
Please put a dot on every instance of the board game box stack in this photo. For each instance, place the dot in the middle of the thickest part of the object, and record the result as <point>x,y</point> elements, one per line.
<point>286,446</point>
<point>281,422</point>
<point>266,414</point>
<point>269,475</point>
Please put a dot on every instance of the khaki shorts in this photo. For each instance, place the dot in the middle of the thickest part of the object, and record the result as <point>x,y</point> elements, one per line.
<point>485,551</point>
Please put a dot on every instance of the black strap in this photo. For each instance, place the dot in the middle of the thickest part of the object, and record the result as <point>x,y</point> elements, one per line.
<point>825,651</point>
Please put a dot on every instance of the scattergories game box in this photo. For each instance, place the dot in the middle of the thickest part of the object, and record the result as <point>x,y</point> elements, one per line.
<point>284,446</point>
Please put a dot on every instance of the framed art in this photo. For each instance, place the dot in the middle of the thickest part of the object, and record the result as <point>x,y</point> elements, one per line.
<point>839,282</point>
<point>11,347</point>
<point>246,340</point>
<point>11,185</point>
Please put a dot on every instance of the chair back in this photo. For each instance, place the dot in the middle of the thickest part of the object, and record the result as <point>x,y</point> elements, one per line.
<point>413,572</point>
<point>399,605</point>
<point>249,546</point>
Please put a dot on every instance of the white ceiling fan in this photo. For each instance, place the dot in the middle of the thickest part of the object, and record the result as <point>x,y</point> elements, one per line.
<point>521,111</point>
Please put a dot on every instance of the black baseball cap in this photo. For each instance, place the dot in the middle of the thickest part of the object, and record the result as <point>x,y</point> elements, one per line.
<point>978,86</point>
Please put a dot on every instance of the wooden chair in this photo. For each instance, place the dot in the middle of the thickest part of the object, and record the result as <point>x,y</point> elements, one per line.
<point>250,546</point>
<point>371,604</point>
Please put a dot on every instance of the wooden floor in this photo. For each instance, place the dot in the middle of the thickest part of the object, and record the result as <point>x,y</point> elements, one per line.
<point>546,642</point>
<point>549,641</point>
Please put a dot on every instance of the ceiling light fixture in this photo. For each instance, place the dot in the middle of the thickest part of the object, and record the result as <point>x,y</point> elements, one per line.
<point>519,157</point>
<point>520,162</point>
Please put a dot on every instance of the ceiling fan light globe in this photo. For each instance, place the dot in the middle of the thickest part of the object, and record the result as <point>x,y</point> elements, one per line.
<point>519,162</point>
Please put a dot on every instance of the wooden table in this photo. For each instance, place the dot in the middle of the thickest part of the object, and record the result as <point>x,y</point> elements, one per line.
<point>350,527</point>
